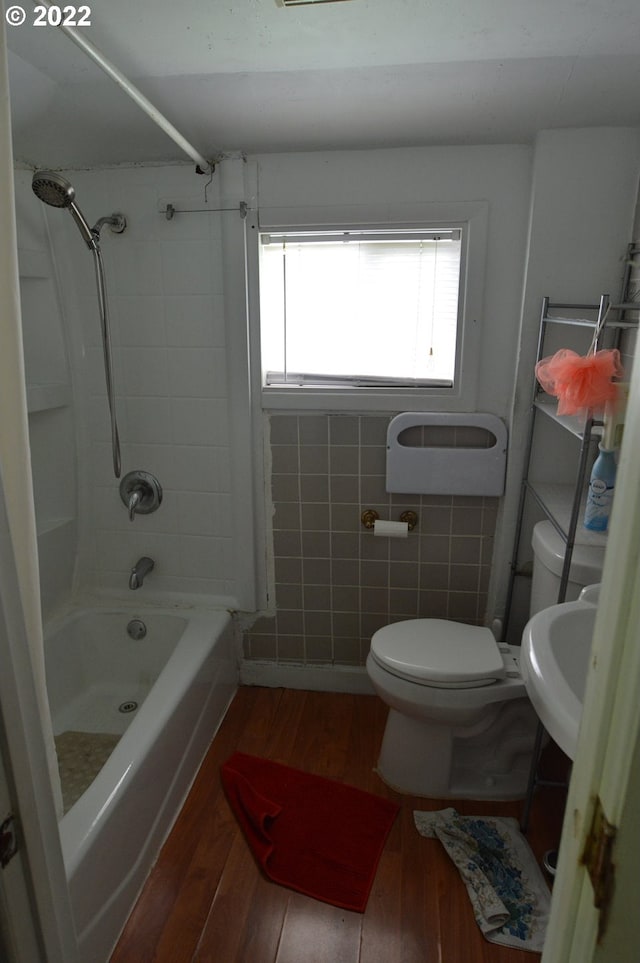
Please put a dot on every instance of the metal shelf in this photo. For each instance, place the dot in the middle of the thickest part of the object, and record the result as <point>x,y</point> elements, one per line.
<point>574,424</point>
<point>564,513</point>
<point>586,323</point>
<point>563,504</point>
<point>556,501</point>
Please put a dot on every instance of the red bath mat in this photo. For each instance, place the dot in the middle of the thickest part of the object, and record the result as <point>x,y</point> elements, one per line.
<point>309,833</point>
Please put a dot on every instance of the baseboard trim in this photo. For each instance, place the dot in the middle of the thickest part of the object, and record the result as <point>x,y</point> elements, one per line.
<point>317,678</point>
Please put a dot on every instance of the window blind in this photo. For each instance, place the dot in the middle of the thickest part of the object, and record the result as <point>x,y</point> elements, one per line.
<point>358,308</point>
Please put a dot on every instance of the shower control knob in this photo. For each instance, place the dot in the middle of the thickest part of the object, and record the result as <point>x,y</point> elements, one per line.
<point>141,492</point>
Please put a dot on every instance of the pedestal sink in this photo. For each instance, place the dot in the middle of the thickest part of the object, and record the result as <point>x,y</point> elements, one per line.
<point>556,645</point>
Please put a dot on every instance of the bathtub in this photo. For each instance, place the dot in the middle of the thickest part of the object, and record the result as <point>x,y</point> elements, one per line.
<point>182,675</point>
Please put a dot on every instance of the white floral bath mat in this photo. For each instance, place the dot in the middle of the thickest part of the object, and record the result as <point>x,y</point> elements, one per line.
<point>508,892</point>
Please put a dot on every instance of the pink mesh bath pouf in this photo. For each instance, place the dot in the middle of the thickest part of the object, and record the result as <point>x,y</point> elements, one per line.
<point>578,382</point>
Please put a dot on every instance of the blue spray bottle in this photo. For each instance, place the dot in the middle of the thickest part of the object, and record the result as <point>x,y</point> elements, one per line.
<point>600,496</point>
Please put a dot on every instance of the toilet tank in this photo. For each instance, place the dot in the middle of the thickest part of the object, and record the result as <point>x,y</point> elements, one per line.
<point>548,559</point>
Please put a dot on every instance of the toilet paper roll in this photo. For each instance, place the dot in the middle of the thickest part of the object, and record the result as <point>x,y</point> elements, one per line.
<point>390,529</point>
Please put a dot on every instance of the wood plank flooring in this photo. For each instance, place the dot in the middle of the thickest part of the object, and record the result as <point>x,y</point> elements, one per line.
<point>207,902</point>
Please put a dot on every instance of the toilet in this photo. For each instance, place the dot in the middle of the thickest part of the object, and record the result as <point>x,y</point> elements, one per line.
<point>548,554</point>
<point>460,724</point>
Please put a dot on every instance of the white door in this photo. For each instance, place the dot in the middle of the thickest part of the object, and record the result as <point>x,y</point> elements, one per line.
<point>606,771</point>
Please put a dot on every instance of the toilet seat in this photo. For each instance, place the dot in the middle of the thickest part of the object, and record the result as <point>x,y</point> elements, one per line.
<point>439,653</point>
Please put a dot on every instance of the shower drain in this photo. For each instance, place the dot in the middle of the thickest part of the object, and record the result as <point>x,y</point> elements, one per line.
<point>127,707</point>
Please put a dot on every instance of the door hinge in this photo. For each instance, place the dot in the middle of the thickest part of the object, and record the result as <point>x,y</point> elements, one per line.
<point>598,861</point>
<point>8,840</point>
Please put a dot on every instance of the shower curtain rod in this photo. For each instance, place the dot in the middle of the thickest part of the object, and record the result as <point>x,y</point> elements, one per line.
<point>203,166</point>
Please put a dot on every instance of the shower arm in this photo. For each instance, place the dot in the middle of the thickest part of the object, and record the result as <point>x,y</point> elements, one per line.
<point>106,345</point>
<point>91,235</point>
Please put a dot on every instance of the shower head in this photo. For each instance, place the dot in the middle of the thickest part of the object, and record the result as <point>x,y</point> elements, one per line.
<point>53,189</point>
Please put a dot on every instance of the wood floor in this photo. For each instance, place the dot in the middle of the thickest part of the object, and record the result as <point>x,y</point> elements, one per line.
<point>206,900</point>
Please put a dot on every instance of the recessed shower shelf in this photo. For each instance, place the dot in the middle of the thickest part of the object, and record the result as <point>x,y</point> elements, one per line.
<point>47,397</point>
<point>50,525</point>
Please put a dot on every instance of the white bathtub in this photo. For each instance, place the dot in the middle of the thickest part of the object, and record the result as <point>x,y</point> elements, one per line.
<point>183,674</point>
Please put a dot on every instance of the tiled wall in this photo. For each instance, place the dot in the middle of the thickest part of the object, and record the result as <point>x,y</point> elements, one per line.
<point>335,582</point>
<point>167,302</point>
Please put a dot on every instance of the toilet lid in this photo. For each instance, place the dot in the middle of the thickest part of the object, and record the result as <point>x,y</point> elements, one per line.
<point>439,653</point>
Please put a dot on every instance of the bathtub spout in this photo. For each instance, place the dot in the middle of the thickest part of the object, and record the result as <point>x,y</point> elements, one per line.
<point>141,569</point>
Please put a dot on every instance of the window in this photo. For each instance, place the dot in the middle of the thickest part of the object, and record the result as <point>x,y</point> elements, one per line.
<point>361,308</point>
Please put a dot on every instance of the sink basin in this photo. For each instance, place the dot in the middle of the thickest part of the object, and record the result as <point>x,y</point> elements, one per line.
<point>556,645</point>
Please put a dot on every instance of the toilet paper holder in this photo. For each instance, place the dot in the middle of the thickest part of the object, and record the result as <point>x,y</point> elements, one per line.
<point>369,516</point>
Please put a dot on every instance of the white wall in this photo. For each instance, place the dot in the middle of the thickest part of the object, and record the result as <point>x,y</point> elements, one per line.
<point>378,180</point>
<point>583,195</point>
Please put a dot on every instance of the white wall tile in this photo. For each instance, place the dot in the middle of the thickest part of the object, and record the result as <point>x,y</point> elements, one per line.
<point>145,371</point>
<point>141,320</point>
<point>207,557</point>
<point>148,419</point>
<point>198,373</point>
<point>137,269</point>
<point>194,320</point>
<point>199,421</point>
<point>189,267</point>
<point>205,514</point>
<point>186,468</point>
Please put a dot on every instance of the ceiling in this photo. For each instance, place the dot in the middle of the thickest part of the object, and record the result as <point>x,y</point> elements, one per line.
<point>253,76</point>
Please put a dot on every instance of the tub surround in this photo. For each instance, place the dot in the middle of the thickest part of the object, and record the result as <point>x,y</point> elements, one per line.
<point>166,289</point>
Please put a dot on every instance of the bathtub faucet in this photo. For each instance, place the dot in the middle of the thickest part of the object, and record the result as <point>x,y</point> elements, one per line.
<point>141,569</point>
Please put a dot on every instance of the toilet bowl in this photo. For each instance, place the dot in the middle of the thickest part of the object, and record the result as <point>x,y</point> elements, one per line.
<point>460,724</point>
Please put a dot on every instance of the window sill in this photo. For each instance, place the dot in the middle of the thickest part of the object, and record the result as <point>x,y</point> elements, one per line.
<point>364,399</point>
